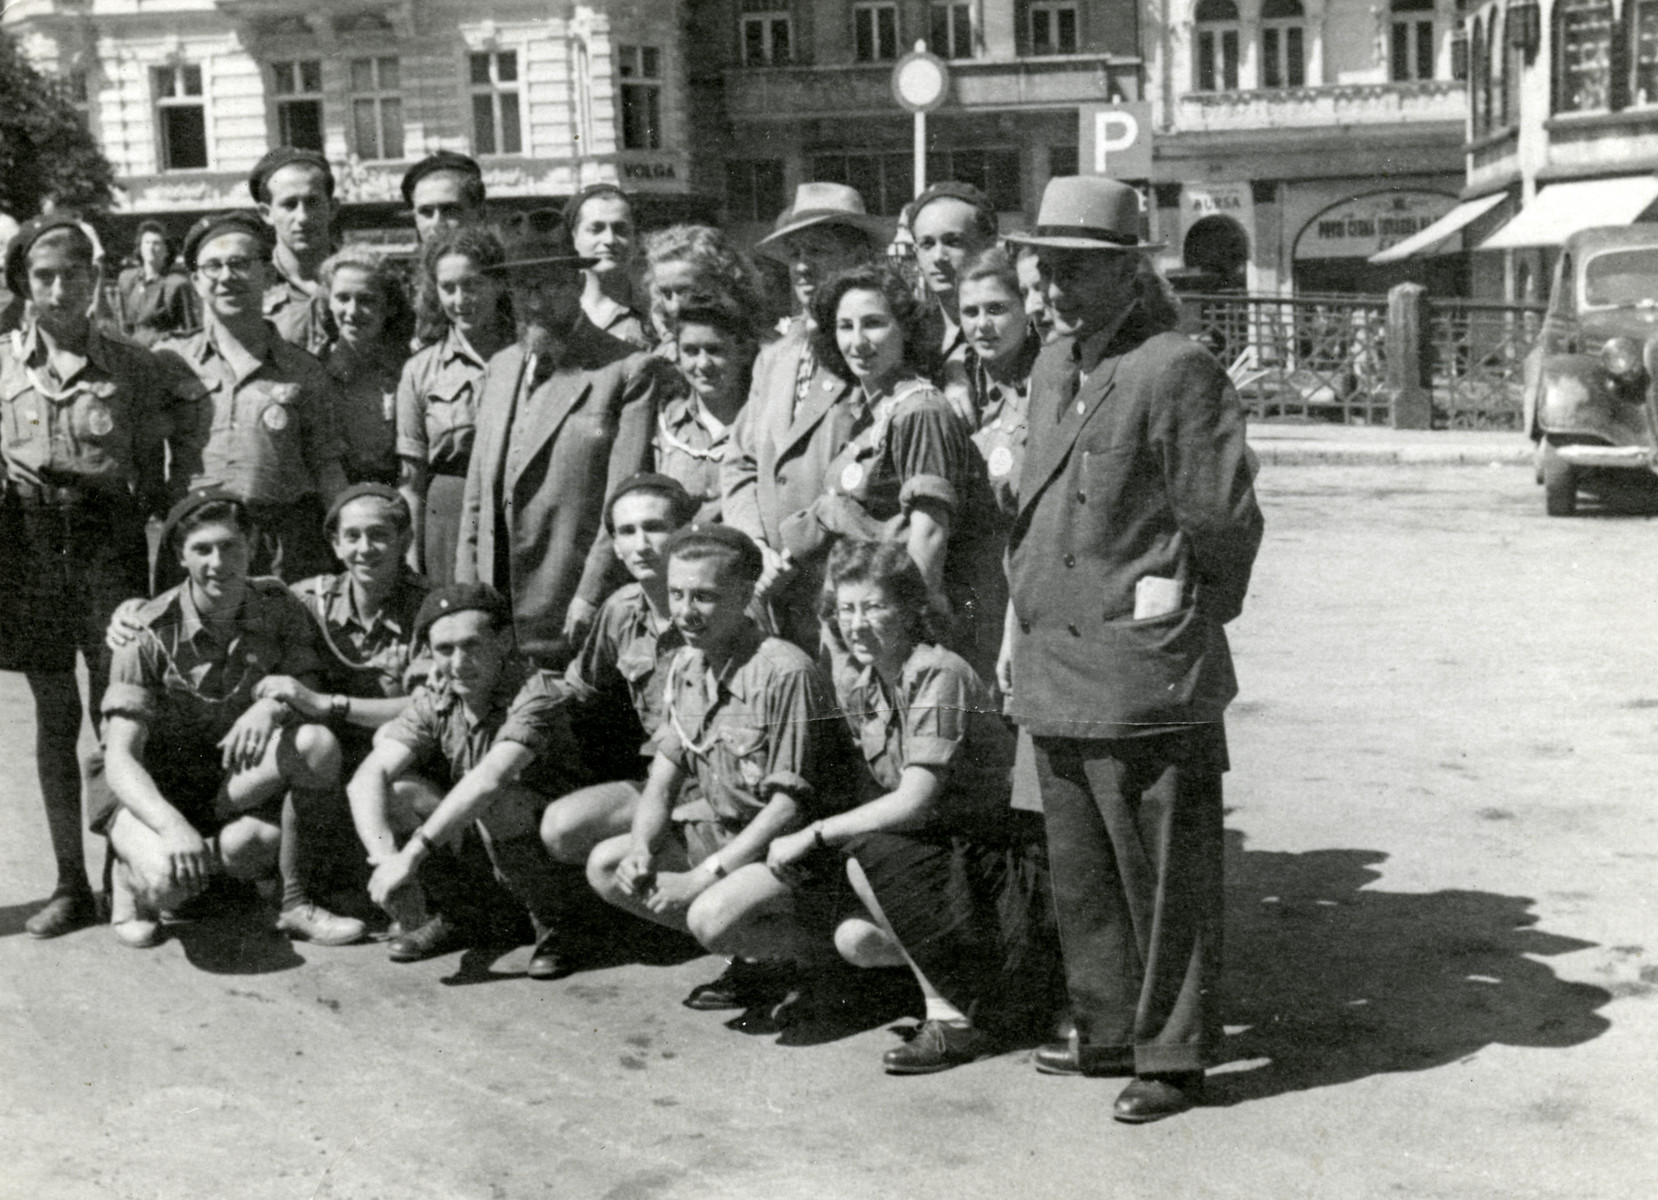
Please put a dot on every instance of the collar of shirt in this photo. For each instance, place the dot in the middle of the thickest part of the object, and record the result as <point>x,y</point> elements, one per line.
<point>513,674</point>
<point>730,678</point>
<point>686,410</point>
<point>952,338</point>
<point>456,345</point>
<point>607,313</point>
<point>191,623</point>
<point>1088,353</point>
<point>342,612</point>
<point>64,364</point>
<point>242,361</point>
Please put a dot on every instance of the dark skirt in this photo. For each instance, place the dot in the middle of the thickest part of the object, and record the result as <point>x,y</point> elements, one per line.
<point>443,527</point>
<point>977,919</point>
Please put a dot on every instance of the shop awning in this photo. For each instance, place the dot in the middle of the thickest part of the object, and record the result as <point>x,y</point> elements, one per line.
<point>1426,242</point>
<point>1561,209</point>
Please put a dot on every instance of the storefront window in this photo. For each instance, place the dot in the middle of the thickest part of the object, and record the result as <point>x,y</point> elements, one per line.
<point>1583,63</point>
<point>1643,46</point>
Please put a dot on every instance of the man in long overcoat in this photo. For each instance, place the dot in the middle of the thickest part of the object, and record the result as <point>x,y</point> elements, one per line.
<point>564,416</point>
<point>1132,547</point>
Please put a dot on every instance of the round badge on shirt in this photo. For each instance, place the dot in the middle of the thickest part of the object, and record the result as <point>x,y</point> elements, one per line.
<point>275,418</point>
<point>1001,462</point>
<point>752,772</point>
<point>99,421</point>
<point>851,476</point>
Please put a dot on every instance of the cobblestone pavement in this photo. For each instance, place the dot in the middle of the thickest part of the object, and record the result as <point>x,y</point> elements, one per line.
<point>1442,959</point>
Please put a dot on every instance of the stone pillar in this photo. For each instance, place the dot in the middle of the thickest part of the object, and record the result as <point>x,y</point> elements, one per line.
<point>1409,351</point>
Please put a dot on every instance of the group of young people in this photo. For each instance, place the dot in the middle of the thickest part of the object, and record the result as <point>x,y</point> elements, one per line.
<point>560,570</point>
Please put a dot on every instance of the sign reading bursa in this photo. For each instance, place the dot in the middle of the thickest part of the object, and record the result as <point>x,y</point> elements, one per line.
<point>1115,139</point>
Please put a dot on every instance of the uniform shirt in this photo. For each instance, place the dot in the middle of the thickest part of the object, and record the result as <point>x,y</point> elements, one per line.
<point>448,741</point>
<point>296,313</point>
<point>1003,425</point>
<point>152,309</point>
<point>689,450</point>
<point>620,321</point>
<point>908,445</point>
<point>265,425</point>
<point>177,678</point>
<point>624,660</point>
<point>95,421</point>
<point>366,389</point>
<point>437,404</point>
<point>940,716</point>
<point>373,659</point>
<point>749,731</point>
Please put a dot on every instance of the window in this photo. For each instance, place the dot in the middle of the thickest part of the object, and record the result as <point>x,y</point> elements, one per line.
<point>640,68</point>
<point>1583,68</point>
<point>74,88</point>
<point>1062,160</point>
<point>768,33</point>
<point>1643,51</point>
<point>1513,60</point>
<point>1283,44</point>
<point>181,117</point>
<point>1217,46</point>
<point>1051,26</point>
<point>1410,54</point>
<point>376,108</point>
<point>875,32</point>
<point>993,172</point>
<point>885,181</point>
<point>297,87</point>
<point>951,34</point>
<point>494,81</point>
<point>1479,90</point>
<point>754,189</point>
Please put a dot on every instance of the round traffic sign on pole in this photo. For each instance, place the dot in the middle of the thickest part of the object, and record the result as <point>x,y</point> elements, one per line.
<point>920,81</point>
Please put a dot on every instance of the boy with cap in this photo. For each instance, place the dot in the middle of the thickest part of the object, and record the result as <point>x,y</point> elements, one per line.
<point>799,414</point>
<point>82,418</point>
<point>744,717</point>
<point>263,416</point>
<point>491,730</point>
<point>444,190</point>
<point>294,192</point>
<point>951,222</point>
<point>196,765</point>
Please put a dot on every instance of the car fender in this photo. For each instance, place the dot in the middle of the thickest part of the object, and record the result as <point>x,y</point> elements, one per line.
<point>1575,396</point>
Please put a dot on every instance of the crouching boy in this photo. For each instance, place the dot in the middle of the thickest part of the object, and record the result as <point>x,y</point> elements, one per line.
<point>490,729</point>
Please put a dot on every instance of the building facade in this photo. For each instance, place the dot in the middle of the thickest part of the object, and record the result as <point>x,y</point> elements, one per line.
<point>185,95</point>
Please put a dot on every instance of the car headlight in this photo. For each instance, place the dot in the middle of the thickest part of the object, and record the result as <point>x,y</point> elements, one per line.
<point>1621,356</point>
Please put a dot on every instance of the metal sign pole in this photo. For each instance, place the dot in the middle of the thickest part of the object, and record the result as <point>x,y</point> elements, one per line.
<point>920,152</point>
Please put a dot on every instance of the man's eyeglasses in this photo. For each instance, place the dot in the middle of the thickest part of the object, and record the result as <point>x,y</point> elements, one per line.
<point>218,268</point>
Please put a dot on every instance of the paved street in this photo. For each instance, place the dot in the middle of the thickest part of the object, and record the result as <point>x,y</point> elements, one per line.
<point>1443,950</point>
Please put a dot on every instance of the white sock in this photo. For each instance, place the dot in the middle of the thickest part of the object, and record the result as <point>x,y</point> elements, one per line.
<point>940,1009</point>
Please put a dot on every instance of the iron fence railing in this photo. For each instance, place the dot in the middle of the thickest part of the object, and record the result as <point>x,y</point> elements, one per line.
<point>1477,367</point>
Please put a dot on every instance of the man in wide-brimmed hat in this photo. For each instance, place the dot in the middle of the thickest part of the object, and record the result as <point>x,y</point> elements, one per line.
<point>563,417</point>
<point>1132,547</point>
<point>798,416</point>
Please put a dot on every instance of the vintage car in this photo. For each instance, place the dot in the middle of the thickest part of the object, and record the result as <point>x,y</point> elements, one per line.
<point>1590,378</point>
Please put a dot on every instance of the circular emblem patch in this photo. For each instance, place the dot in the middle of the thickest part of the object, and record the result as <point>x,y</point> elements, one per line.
<point>752,772</point>
<point>851,476</point>
<point>99,421</point>
<point>275,418</point>
<point>1001,462</point>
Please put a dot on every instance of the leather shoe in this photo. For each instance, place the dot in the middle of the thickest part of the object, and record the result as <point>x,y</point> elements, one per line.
<point>937,1047</point>
<point>1153,1097</point>
<point>438,936</point>
<point>64,913</point>
<point>314,923</point>
<point>1073,1058</point>
<point>745,983</point>
<point>555,957</point>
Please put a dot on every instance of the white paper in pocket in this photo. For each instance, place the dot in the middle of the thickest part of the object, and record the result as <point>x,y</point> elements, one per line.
<point>1155,596</point>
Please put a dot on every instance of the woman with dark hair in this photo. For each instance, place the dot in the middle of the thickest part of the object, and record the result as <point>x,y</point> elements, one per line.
<point>910,472</point>
<point>952,877</point>
<point>367,329</point>
<point>602,227</point>
<point>1001,349</point>
<point>714,348</point>
<point>157,300</point>
<point>437,398</point>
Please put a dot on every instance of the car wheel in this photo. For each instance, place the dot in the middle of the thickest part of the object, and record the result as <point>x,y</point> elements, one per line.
<point>1559,484</point>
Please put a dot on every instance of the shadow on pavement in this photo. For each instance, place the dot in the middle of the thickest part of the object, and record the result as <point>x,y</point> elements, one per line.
<point>235,945</point>
<point>1334,982</point>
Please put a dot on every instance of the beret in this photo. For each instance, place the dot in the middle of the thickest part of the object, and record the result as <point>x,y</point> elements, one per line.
<point>460,597</point>
<point>685,505</point>
<point>30,232</point>
<point>285,156</point>
<point>198,498</point>
<point>954,190</point>
<point>442,160</point>
<point>236,220</point>
<point>749,559</point>
<point>357,491</point>
<point>572,206</point>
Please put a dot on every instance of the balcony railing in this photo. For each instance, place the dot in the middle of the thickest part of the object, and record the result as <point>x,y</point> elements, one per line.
<point>1344,104</point>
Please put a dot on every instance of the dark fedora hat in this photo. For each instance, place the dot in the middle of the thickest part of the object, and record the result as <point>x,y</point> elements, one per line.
<point>537,238</point>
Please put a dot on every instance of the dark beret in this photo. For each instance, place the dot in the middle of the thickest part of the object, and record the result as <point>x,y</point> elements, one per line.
<point>236,220</point>
<point>285,156</point>
<point>30,232</point>
<point>461,597</point>
<point>357,491</point>
<point>198,498</point>
<point>685,505</point>
<point>750,562</point>
<point>954,190</point>
<point>442,160</point>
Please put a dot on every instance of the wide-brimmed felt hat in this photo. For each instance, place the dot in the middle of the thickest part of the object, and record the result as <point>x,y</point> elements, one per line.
<point>825,204</point>
<point>30,232</point>
<point>537,238</point>
<point>1087,212</point>
<point>441,160</point>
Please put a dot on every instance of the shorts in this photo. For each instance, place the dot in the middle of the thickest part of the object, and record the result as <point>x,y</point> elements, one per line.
<point>189,776</point>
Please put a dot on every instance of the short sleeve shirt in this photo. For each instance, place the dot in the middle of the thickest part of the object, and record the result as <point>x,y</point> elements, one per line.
<point>178,678</point>
<point>448,741</point>
<point>914,447</point>
<point>749,732</point>
<point>625,659</point>
<point>437,404</point>
<point>941,717</point>
<point>689,451</point>
<point>370,659</point>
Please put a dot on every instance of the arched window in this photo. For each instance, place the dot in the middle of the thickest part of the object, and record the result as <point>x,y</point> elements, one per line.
<point>1513,58</point>
<point>1217,46</point>
<point>1283,44</point>
<point>1583,62</point>
<point>1411,48</point>
<point>1479,93</point>
<point>1643,51</point>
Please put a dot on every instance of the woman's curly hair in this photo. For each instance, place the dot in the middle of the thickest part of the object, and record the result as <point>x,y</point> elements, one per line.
<point>901,302</point>
<point>476,242</point>
<point>889,567</point>
<point>731,275</point>
<point>387,278</point>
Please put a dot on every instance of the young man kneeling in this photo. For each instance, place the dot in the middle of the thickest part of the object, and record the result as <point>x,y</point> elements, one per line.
<point>491,729</point>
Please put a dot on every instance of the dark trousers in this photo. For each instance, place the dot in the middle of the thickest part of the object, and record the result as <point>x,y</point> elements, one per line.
<point>1135,848</point>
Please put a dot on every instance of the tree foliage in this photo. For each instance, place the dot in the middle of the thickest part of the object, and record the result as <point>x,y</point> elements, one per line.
<point>46,152</point>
